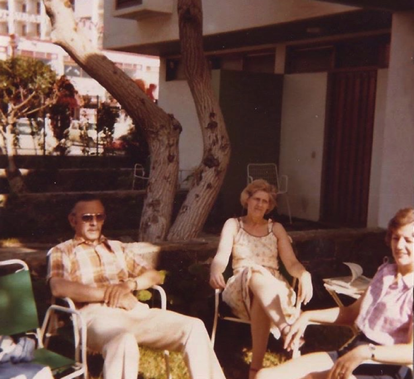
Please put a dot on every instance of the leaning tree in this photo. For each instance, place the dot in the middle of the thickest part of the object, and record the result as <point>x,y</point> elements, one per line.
<point>160,129</point>
<point>26,87</point>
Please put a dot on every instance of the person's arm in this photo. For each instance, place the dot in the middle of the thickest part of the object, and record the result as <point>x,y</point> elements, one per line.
<point>78,292</point>
<point>401,354</point>
<point>222,256</point>
<point>145,280</point>
<point>293,266</point>
<point>345,316</point>
<point>114,293</point>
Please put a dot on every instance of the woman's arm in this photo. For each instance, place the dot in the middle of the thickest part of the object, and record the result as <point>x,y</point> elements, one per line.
<point>286,253</point>
<point>293,266</point>
<point>401,354</point>
<point>345,316</point>
<point>222,256</point>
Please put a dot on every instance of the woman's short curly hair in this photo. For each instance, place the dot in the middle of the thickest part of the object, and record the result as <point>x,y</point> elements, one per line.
<point>259,185</point>
<point>402,217</point>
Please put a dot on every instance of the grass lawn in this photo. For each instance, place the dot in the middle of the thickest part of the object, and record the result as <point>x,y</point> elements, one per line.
<point>233,348</point>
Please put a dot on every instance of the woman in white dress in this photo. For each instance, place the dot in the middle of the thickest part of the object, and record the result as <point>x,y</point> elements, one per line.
<point>257,291</point>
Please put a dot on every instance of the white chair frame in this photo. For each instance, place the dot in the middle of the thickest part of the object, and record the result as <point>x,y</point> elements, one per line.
<point>163,305</point>
<point>138,173</point>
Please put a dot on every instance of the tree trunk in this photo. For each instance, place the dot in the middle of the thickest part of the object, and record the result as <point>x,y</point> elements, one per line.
<point>210,174</point>
<point>160,129</point>
<point>13,174</point>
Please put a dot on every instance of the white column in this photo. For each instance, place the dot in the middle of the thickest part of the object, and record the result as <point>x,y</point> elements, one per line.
<point>397,171</point>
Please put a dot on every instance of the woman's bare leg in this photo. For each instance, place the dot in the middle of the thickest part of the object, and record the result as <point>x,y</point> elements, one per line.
<point>268,299</point>
<point>260,328</point>
<point>309,366</point>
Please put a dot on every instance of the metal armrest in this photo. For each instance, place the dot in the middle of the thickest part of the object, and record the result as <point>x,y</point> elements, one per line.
<point>163,296</point>
<point>79,329</point>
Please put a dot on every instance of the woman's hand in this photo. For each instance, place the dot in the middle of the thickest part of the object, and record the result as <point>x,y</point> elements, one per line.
<point>346,364</point>
<point>305,287</point>
<point>296,332</point>
<point>217,280</point>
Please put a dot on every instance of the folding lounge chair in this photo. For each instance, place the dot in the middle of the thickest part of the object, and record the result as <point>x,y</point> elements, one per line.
<point>18,315</point>
<point>69,304</point>
<point>222,310</point>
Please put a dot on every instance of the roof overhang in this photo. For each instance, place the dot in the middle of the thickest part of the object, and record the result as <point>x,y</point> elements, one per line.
<point>352,22</point>
<point>390,5</point>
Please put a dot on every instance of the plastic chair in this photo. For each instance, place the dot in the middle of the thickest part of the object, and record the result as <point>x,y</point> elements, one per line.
<point>269,172</point>
<point>223,312</point>
<point>163,305</point>
<point>138,173</point>
<point>18,315</point>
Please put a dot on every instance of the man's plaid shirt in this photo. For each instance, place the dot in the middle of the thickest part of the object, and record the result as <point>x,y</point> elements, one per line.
<point>107,263</point>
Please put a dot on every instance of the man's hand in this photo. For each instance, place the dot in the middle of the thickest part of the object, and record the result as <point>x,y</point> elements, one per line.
<point>346,364</point>
<point>128,301</point>
<point>114,293</point>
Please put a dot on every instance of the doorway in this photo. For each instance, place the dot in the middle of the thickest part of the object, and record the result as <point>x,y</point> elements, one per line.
<point>348,147</point>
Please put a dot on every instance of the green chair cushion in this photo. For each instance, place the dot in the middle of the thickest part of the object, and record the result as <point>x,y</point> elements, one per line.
<point>53,360</point>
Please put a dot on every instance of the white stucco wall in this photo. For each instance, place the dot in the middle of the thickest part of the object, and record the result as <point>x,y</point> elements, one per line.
<point>302,134</point>
<point>175,98</point>
<point>218,17</point>
<point>377,146</point>
<point>397,170</point>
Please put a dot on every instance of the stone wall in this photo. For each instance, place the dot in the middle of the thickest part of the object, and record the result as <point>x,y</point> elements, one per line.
<point>187,264</point>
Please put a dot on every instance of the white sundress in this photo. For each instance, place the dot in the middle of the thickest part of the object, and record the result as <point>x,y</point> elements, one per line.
<point>257,254</point>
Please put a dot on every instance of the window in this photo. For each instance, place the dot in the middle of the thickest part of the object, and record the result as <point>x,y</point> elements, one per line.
<point>73,71</point>
<point>362,53</point>
<point>312,59</point>
<point>352,53</point>
<point>259,62</point>
<point>174,70</point>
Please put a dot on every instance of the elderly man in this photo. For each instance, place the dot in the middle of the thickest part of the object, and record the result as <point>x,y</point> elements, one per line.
<point>100,276</point>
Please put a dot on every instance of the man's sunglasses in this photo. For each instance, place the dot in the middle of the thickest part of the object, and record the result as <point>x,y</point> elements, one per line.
<point>89,217</point>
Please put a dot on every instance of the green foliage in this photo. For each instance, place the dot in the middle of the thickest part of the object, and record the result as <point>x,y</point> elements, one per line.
<point>24,79</point>
<point>61,109</point>
<point>106,117</point>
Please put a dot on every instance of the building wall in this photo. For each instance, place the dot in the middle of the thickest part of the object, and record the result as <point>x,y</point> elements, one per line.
<point>302,135</point>
<point>377,146</point>
<point>218,17</point>
<point>36,43</point>
<point>176,98</point>
<point>397,169</point>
